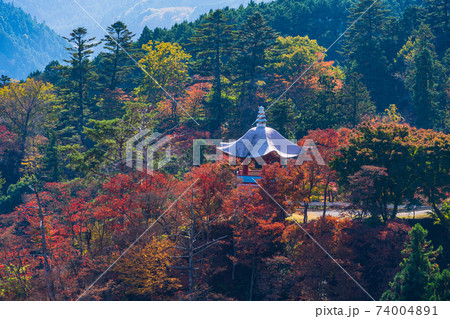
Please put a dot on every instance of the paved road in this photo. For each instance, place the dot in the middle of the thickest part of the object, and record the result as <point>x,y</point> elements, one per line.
<point>335,212</point>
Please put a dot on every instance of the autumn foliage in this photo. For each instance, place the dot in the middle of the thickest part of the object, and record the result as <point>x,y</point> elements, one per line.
<point>80,219</point>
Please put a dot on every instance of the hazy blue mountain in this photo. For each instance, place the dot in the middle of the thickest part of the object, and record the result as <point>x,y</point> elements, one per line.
<point>64,15</point>
<point>25,44</point>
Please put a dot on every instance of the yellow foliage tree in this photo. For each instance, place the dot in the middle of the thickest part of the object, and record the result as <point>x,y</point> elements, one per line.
<point>31,160</point>
<point>166,73</point>
<point>24,107</point>
<point>146,270</point>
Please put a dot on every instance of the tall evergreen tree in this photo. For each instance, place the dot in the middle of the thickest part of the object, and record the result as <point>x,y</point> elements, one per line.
<point>145,36</point>
<point>255,40</point>
<point>443,96</point>
<point>422,68</point>
<point>212,45</point>
<point>363,48</point>
<point>356,100</point>
<point>80,75</point>
<point>321,109</point>
<point>419,274</point>
<point>438,18</point>
<point>117,43</point>
<point>53,73</point>
<point>4,80</point>
<point>281,116</point>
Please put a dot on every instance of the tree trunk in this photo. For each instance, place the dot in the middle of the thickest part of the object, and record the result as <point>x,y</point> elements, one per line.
<point>233,269</point>
<point>114,72</point>
<point>305,213</point>
<point>325,199</point>
<point>394,210</point>
<point>47,268</point>
<point>191,250</point>
<point>191,270</point>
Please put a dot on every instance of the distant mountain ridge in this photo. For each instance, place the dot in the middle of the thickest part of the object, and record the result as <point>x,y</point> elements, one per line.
<point>63,16</point>
<point>25,44</point>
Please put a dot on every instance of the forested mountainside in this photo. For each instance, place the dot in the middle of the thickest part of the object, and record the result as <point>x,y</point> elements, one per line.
<point>322,20</point>
<point>380,51</point>
<point>63,16</point>
<point>73,200</point>
<point>25,44</point>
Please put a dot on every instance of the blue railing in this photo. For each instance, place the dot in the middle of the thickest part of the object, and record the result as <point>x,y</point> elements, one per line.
<point>249,179</point>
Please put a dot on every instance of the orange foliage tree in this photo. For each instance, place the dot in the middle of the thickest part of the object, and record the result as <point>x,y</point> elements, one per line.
<point>255,230</point>
<point>319,278</point>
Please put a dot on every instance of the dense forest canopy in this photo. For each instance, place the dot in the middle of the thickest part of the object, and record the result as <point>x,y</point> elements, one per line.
<point>376,105</point>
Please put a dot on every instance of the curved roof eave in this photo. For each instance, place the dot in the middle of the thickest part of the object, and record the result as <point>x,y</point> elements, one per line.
<point>266,139</point>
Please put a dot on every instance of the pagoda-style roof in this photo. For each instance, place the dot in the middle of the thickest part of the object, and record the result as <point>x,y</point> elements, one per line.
<point>260,141</point>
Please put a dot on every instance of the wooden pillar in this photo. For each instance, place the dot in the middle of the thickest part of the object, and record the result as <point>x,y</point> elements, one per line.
<point>245,170</point>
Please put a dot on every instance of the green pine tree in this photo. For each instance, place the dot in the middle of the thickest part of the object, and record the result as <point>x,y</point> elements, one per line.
<point>145,36</point>
<point>281,117</point>
<point>421,77</point>
<point>4,80</point>
<point>443,98</point>
<point>116,62</point>
<point>53,73</point>
<point>442,286</point>
<point>363,48</point>
<point>419,277</point>
<point>212,46</point>
<point>438,17</point>
<point>255,41</point>
<point>356,101</point>
<point>79,78</point>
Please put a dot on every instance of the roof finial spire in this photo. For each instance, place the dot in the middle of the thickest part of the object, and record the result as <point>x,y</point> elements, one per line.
<point>261,119</point>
